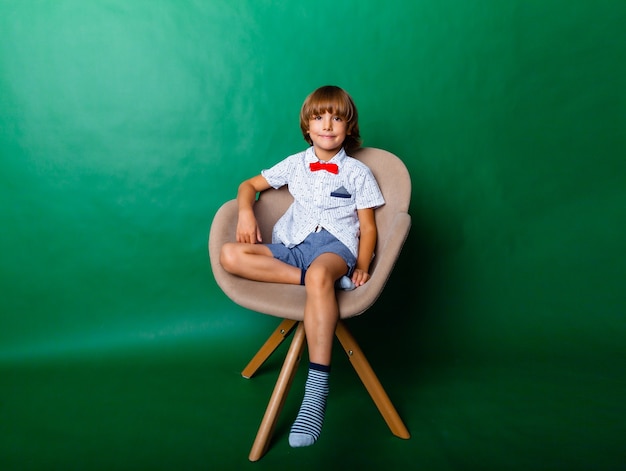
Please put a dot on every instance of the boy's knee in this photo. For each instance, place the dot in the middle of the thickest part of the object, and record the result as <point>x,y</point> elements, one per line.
<point>228,256</point>
<point>318,278</point>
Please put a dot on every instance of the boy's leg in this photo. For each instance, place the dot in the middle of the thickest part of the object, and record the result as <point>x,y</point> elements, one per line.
<point>256,262</point>
<point>321,311</point>
<point>320,320</point>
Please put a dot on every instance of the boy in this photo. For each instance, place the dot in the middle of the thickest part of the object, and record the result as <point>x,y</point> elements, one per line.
<point>326,237</point>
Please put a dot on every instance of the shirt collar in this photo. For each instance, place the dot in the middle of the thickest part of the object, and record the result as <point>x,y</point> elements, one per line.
<point>338,158</point>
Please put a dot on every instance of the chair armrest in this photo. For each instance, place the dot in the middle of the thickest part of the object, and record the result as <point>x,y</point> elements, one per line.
<point>353,303</point>
<point>392,246</point>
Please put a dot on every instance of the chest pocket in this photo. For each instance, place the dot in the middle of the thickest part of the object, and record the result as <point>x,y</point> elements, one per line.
<point>341,192</point>
<point>340,197</point>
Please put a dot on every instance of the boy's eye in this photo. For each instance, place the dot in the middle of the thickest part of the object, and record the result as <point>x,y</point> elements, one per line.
<point>318,117</point>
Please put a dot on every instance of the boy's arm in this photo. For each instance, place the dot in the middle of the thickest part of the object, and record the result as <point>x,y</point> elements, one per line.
<point>367,243</point>
<point>248,230</point>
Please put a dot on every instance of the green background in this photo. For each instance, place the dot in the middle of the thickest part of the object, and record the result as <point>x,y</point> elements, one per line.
<point>124,125</point>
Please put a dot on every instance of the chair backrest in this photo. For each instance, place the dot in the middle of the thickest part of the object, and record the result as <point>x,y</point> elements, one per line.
<point>392,221</point>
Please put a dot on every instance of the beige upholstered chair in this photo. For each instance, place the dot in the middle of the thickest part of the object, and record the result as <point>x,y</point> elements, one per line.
<point>287,301</point>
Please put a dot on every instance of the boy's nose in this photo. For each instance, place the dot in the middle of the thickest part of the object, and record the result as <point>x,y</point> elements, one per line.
<point>328,123</point>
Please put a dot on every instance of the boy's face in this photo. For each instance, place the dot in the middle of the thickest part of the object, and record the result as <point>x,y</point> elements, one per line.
<point>327,132</point>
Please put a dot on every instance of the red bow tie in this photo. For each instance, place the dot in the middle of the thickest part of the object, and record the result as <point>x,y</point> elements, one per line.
<point>332,168</point>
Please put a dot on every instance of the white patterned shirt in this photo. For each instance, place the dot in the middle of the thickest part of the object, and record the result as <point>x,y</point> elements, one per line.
<point>323,199</point>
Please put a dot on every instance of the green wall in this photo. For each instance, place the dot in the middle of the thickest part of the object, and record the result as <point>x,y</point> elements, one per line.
<point>125,125</point>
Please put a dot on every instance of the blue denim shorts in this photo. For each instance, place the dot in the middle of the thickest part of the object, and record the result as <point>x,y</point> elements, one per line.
<point>316,243</point>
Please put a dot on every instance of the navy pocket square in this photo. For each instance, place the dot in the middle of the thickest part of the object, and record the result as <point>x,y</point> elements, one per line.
<point>341,192</point>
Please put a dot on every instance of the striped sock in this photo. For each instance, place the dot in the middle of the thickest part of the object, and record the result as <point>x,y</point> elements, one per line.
<point>308,425</point>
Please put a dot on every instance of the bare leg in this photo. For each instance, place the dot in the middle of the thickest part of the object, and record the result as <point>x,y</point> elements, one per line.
<point>321,311</point>
<point>256,262</point>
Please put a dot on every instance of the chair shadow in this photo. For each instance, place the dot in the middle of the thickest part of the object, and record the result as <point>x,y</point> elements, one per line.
<point>397,331</point>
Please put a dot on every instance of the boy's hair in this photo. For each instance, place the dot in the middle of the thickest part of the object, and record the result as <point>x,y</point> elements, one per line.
<point>335,100</point>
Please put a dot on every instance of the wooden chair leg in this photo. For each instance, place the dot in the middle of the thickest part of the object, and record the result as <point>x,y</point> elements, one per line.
<point>277,400</point>
<point>371,382</point>
<point>271,344</point>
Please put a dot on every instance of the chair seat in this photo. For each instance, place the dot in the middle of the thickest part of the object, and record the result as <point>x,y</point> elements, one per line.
<point>287,301</point>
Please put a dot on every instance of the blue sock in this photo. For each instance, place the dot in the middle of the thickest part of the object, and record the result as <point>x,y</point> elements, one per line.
<point>345,283</point>
<point>308,425</point>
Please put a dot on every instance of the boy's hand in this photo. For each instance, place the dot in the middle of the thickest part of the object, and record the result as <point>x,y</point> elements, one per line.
<point>248,230</point>
<point>360,277</point>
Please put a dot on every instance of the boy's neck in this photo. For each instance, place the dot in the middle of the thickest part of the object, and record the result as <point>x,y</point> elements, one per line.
<point>325,155</point>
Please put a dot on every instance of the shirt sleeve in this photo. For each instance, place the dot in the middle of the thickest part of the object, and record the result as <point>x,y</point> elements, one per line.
<point>369,194</point>
<point>279,174</point>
